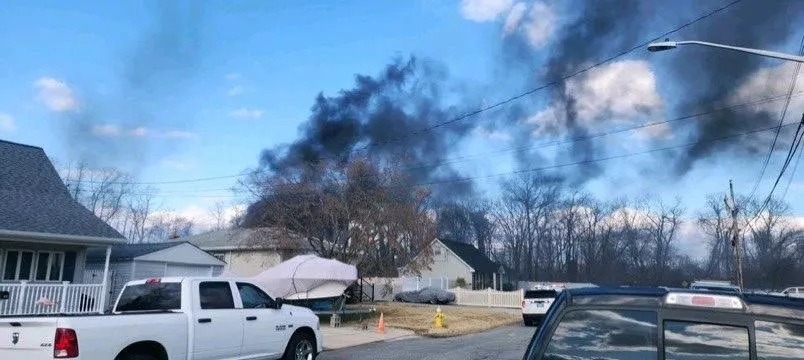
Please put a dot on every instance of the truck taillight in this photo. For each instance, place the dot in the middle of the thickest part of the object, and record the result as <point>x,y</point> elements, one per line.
<point>66,344</point>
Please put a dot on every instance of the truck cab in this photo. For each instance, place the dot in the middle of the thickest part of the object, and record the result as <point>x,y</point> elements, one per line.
<point>665,323</point>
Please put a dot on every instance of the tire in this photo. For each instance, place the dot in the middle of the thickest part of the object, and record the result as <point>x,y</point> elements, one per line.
<point>136,357</point>
<point>300,347</point>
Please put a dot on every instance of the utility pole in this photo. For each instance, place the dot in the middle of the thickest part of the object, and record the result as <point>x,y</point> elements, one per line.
<point>735,233</point>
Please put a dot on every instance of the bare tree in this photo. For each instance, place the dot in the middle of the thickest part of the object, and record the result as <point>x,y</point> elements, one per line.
<point>218,214</point>
<point>715,222</point>
<point>168,225</point>
<point>664,221</point>
<point>140,211</point>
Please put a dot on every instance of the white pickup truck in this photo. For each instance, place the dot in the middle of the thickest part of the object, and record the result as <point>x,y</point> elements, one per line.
<point>171,318</point>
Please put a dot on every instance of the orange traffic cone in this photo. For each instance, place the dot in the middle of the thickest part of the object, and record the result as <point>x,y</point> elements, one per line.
<point>381,324</point>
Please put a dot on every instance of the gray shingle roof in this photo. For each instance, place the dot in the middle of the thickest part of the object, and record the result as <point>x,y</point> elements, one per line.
<point>248,238</point>
<point>472,256</point>
<point>34,199</point>
<point>128,251</point>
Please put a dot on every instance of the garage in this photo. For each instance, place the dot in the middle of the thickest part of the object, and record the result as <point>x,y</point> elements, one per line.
<point>140,261</point>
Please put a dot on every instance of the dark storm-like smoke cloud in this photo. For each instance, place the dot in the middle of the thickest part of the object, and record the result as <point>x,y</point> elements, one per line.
<point>386,117</point>
<point>710,76</point>
<point>154,73</point>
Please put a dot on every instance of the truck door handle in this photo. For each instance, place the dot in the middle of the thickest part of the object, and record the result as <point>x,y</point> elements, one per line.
<point>204,320</point>
<point>251,318</point>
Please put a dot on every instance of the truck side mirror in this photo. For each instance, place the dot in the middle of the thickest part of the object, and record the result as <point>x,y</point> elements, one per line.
<point>278,303</point>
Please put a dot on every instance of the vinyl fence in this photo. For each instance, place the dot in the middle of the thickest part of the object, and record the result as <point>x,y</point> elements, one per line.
<point>489,297</point>
<point>55,298</point>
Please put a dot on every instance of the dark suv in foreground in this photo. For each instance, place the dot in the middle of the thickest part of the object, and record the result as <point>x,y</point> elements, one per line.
<point>671,324</point>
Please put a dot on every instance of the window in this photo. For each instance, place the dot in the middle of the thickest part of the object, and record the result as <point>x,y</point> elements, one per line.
<point>540,294</point>
<point>49,266</point>
<point>605,334</point>
<point>18,265</point>
<point>144,297</point>
<point>253,297</point>
<point>693,341</point>
<point>779,341</point>
<point>215,295</point>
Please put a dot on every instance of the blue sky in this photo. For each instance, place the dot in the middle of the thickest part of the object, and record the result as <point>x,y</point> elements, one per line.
<point>258,66</point>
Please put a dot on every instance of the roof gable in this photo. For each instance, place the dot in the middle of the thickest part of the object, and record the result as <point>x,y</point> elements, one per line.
<point>34,199</point>
<point>127,251</point>
<point>471,256</point>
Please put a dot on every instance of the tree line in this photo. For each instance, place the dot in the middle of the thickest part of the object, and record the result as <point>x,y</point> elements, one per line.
<point>537,226</point>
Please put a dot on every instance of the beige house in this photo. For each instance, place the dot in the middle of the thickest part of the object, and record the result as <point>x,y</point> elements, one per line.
<point>247,252</point>
<point>454,260</point>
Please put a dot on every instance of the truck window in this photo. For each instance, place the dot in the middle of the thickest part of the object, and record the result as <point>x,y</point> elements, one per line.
<point>215,295</point>
<point>540,294</point>
<point>147,297</point>
<point>779,341</point>
<point>253,297</point>
<point>692,341</point>
<point>604,334</point>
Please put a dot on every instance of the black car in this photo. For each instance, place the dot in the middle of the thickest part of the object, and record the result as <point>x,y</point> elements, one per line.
<point>660,323</point>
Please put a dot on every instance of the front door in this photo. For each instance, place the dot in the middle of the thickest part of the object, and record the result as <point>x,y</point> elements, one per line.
<point>217,325</point>
<point>264,326</point>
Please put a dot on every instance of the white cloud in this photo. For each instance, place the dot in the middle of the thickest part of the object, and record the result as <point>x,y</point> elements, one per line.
<point>245,113</point>
<point>235,90</point>
<point>139,132</point>
<point>771,82</point>
<point>492,134</point>
<point>484,10</point>
<point>540,24</point>
<point>620,92</point>
<point>176,164</point>
<point>179,134</point>
<point>514,17</point>
<point>232,76</point>
<point>202,218</point>
<point>106,130</point>
<point>56,94</point>
<point>7,123</point>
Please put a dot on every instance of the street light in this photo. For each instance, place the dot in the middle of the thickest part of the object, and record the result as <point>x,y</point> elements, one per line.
<point>668,45</point>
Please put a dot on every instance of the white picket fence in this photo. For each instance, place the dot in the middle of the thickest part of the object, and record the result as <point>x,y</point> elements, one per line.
<point>489,297</point>
<point>57,298</point>
<point>418,283</point>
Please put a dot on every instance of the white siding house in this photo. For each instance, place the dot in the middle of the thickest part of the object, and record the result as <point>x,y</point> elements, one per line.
<point>140,261</point>
<point>249,251</point>
<point>454,260</point>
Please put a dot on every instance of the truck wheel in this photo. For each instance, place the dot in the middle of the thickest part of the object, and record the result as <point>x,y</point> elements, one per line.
<point>300,347</point>
<point>136,357</point>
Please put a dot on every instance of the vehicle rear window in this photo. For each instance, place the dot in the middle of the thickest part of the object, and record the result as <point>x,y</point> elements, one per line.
<point>146,297</point>
<point>540,294</point>
<point>692,341</point>
<point>605,334</point>
<point>779,341</point>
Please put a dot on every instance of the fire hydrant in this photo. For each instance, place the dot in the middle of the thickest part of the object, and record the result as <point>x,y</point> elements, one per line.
<point>439,318</point>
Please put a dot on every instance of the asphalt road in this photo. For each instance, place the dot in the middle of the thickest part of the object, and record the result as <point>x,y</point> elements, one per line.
<point>506,343</point>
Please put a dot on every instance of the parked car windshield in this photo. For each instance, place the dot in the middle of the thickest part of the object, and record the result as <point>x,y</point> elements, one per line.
<point>146,297</point>
<point>540,294</point>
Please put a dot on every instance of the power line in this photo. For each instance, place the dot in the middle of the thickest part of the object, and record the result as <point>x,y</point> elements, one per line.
<point>498,104</point>
<point>585,162</point>
<point>463,158</point>
<point>781,119</point>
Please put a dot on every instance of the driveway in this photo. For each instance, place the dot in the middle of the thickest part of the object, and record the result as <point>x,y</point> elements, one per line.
<point>507,342</point>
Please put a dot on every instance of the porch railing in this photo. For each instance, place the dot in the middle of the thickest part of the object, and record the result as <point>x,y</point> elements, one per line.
<point>27,298</point>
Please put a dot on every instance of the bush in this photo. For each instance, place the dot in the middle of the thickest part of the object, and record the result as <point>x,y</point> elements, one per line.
<point>460,282</point>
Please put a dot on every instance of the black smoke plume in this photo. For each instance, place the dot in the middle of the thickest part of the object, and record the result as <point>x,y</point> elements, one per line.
<point>154,73</point>
<point>387,117</point>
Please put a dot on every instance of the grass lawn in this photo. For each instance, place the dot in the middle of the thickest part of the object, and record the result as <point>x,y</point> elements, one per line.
<point>460,320</point>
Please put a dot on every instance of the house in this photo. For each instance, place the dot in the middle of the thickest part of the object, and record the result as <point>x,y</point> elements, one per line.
<point>44,238</point>
<point>139,261</point>
<point>249,251</point>
<point>456,260</point>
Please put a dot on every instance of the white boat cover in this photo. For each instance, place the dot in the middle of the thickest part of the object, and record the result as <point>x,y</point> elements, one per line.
<point>306,277</point>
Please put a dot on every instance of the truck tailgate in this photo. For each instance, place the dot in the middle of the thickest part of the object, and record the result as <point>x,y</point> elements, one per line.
<point>27,338</point>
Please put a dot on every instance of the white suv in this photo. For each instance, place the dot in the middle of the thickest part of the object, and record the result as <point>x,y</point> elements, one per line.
<point>796,292</point>
<point>535,305</point>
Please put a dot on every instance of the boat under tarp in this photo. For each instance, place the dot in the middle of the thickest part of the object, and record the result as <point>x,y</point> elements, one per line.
<point>306,279</point>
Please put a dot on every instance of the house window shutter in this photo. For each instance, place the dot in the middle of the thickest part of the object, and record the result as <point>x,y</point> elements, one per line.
<point>69,266</point>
